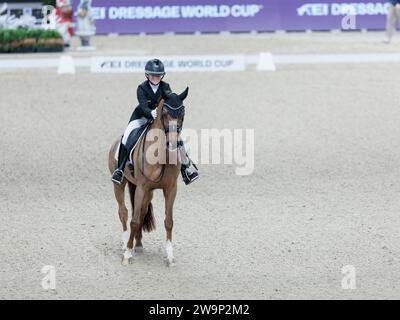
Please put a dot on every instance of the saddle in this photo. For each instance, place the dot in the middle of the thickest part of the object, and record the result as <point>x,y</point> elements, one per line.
<point>131,143</point>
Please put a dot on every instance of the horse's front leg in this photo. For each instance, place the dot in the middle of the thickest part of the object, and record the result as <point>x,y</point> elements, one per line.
<point>169,195</point>
<point>135,225</point>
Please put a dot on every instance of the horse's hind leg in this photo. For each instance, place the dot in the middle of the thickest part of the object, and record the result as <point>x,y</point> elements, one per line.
<point>147,222</point>
<point>119,191</point>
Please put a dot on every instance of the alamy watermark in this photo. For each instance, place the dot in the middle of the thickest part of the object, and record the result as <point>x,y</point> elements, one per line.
<point>207,146</point>
<point>349,22</point>
<point>49,280</point>
<point>349,279</point>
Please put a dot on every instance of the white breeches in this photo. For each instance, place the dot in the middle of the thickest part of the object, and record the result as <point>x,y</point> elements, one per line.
<point>132,126</point>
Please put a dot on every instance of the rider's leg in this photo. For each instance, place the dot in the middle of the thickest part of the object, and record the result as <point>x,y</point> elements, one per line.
<point>188,168</point>
<point>118,174</point>
<point>126,145</point>
<point>123,154</point>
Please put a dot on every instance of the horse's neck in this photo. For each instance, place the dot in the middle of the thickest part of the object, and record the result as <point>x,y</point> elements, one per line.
<point>157,125</point>
<point>157,122</point>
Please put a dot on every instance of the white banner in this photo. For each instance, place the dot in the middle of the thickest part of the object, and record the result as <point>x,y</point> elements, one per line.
<point>172,63</point>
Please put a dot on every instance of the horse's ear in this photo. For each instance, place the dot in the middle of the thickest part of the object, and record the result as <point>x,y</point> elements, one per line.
<point>165,95</point>
<point>184,94</point>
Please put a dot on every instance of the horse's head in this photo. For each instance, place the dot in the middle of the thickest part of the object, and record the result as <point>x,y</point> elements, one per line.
<point>172,116</point>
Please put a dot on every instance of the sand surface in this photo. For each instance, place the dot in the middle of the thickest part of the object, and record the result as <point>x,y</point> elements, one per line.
<point>324,193</point>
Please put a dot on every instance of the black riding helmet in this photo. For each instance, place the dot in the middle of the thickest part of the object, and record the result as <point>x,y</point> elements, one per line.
<point>155,68</point>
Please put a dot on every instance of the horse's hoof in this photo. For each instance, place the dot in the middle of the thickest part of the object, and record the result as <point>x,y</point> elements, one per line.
<point>127,257</point>
<point>169,262</point>
<point>126,262</point>
<point>139,249</point>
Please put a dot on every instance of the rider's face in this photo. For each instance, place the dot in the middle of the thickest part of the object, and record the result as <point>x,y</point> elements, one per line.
<point>154,79</point>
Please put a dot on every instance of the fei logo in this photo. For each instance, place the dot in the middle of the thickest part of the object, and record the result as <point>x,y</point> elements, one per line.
<point>99,13</point>
<point>313,9</point>
<point>358,8</point>
<point>348,22</point>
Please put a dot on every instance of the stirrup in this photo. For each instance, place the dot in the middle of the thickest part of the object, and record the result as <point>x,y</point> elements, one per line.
<point>188,179</point>
<point>117,176</point>
<point>190,163</point>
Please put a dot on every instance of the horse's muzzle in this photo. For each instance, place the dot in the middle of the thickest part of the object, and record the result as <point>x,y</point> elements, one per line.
<point>172,146</point>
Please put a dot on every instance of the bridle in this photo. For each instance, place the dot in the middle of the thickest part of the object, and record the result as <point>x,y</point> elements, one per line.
<point>170,128</point>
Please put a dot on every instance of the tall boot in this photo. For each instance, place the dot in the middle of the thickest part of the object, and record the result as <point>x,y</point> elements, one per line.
<point>118,174</point>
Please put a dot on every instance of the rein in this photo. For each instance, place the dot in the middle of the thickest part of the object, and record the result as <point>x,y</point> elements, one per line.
<point>143,160</point>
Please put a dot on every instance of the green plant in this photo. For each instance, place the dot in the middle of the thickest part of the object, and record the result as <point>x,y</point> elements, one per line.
<point>30,40</point>
<point>6,38</point>
<point>18,42</point>
<point>1,42</point>
<point>49,2</point>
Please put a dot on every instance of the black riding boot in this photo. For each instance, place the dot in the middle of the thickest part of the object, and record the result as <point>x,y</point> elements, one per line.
<point>189,170</point>
<point>118,174</point>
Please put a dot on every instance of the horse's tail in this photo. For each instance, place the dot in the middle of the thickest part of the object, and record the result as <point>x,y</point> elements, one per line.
<point>149,222</point>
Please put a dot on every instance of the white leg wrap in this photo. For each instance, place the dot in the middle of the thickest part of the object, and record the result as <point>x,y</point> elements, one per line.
<point>125,238</point>
<point>169,250</point>
<point>128,254</point>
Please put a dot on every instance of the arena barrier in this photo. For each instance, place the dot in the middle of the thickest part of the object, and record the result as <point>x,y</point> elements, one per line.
<point>182,16</point>
<point>264,61</point>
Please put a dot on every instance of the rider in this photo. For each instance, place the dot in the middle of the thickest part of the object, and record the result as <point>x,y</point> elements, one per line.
<point>149,94</point>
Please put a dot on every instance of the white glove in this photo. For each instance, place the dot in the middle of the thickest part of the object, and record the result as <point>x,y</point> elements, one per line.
<point>154,113</point>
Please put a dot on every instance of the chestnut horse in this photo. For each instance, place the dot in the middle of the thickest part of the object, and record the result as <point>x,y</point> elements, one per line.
<point>156,165</point>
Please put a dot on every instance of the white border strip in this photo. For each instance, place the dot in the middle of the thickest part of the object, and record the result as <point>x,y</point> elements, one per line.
<point>250,59</point>
<point>28,63</point>
<point>337,58</point>
<point>39,63</point>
